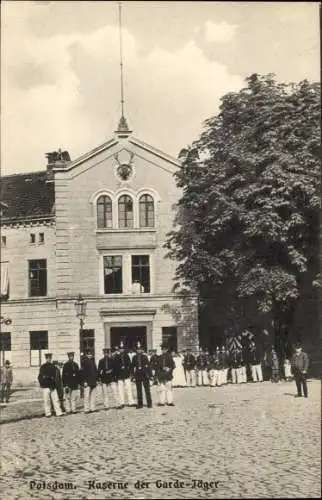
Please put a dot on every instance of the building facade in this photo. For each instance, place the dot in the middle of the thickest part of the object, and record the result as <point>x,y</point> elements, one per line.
<point>93,227</point>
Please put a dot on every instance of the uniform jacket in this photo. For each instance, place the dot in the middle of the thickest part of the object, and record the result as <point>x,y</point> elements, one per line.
<point>6,376</point>
<point>189,362</point>
<point>122,366</point>
<point>300,362</point>
<point>254,357</point>
<point>203,362</point>
<point>141,367</point>
<point>165,367</point>
<point>106,373</point>
<point>71,375</point>
<point>154,361</point>
<point>236,359</point>
<point>89,373</point>
<point>47,376</point>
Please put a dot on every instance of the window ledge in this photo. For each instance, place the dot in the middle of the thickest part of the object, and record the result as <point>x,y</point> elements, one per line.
<point>126,295</point>
<point>127,230</point>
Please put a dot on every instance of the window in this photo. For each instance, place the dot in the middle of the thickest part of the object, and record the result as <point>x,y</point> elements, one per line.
<point>3,241</point>
<point>170,337</point>
<point>146,211</point>
<point>113,274</point>
<point>141,272</point>
<point>37,278</point>
<point>125,212</point>
<point>104,212</point>
<point>32,238</point>
<point>5,348</point>
<point>41,238</point>
<point>38,346</point>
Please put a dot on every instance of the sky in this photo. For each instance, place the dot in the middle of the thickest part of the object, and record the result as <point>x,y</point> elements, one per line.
<point>60,77</point>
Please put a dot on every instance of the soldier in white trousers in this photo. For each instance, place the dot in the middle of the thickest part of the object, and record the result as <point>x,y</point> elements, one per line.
<point>165,367</point>
<point>123,372</point>
<point>71,380</point>
<point>47,381</point>
<point>107,378</point>
<point>89,378</point>
<point>255,363</point>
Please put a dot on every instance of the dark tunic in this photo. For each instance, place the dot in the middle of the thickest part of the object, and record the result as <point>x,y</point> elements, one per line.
<point>189,362</point>
<point>71,375</point>
<point>122,366</point>
<point>47,376</point>
<point>165,367</point>
<point>89,372</point>
<point>106,370</point>
<point>141,368</point>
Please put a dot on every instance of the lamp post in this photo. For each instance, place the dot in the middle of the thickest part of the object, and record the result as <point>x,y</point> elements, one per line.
<point>80,308</point>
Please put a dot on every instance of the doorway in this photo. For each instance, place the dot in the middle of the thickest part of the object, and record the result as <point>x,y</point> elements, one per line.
<point>129,335</point>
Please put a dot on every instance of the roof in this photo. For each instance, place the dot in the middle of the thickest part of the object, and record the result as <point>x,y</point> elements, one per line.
<point>27,195</point>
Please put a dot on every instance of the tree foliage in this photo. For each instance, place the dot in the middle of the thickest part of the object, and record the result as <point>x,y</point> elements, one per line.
<point>249,213</point>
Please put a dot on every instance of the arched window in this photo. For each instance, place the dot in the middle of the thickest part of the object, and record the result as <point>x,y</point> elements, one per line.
<point>104,212</point>
<point>146,211</point>
<point>125,211</point>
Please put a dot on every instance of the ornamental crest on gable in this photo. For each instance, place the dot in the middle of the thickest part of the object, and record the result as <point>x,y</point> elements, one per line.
<point>124,169</point>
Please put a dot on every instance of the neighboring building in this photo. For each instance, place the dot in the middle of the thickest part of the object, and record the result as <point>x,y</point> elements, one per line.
<point>96,227</point>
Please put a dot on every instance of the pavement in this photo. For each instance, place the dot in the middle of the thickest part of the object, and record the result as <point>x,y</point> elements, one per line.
<point>246,441</point>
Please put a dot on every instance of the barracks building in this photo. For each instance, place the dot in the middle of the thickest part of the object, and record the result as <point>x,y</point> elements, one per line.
<point>83,262</point>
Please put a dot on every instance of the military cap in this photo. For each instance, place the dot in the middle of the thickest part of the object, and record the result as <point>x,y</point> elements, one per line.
<point>88,351</point>
<point>70,353</point>
<point>106,349</point>
<point>7,362</point>
<point>163,346</point>
<point>48,355</point>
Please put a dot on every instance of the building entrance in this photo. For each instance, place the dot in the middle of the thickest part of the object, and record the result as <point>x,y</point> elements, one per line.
<point>129,335</point>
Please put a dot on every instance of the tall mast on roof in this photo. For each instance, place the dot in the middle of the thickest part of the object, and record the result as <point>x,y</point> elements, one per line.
<point>123,127</point>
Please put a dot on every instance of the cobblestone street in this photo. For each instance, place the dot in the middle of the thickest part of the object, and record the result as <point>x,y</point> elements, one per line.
<point>249,441</point>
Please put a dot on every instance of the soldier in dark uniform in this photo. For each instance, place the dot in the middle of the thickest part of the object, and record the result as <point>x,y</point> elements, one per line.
<point>89,376</point>
<point>154,366</point>
<point>122,370</point>
<point>142,373</point>
<point>224,365</point>
<point>203,364</point>
<point>189,365</point>
<point>59,385</point>
<point>165,368</point>
<point>106,376</point>
<point>70,380</point>
<point>47,379</point>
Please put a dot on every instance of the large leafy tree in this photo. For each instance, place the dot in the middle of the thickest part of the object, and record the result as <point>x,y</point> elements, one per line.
<point>246,234</point>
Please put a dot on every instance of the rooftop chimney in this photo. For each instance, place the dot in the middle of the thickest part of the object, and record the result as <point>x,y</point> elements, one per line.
<point>56,159</point>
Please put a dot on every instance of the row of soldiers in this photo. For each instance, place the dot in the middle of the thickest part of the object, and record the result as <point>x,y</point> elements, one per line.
<point>213,369</point>
<point>114,373</point>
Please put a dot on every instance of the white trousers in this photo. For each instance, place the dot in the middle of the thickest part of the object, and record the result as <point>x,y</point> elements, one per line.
<point>223,373</point>
<point>257,374</point>
<point>70,400</point>
<point>243,374</point>
<point>107,390</point>
<point>203,377</point>
<point>237,375</point>
<point>166,393</point>
<point>191,378</point>
<point>125,386</point>
<point>215,377</point>
<point>49,396</point>
<point>89,398</point>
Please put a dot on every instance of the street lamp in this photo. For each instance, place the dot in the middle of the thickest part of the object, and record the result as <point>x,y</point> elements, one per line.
<point>80,307</point>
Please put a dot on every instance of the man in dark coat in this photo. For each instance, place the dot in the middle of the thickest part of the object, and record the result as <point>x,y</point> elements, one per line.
<point>255,363</point>
<point>299,367</point>
<point>165,369</point>
<point>89,376</point>
<point>106,376</point>
<point>71,380</point>
<point>47,379</point>
<point>189,364</point>
<point>142,373</point>
<point>122,370</point>
<point>154,366</point>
